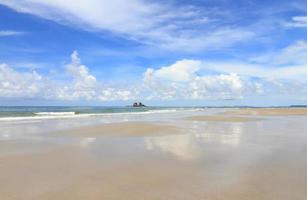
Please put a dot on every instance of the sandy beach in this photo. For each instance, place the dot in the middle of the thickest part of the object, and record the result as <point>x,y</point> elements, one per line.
<point>269,111</point>
<point>186,155</point>
<point>221,118</point>
<point>123,129</point>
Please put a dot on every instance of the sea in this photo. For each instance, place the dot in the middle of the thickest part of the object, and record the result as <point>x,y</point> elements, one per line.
<point>13,113</point>
<point>52,112</point>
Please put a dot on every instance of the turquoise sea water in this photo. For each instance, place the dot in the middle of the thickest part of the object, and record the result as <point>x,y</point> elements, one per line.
<point>24,112</point>
<point>28,111</point>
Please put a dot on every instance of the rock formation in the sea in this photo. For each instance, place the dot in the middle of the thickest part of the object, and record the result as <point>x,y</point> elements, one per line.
<point>140,104</point>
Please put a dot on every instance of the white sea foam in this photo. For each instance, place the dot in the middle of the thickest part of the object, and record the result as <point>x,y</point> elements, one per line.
<point>67,115</point>
<point>55,113</point>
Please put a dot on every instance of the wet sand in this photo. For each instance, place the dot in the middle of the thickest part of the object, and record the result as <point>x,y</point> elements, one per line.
<point>250,160</point>
<point>123,129</point>
<point>221,118</point>
<point>71,174</point>
<point>269,111</point>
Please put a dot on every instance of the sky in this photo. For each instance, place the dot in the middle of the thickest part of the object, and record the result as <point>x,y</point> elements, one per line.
<point>176,52</point>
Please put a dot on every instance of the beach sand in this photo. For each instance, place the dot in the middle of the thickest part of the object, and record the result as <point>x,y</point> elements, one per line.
<point>250,160</point>
<point>123,129</point>
<point>221,118</point>
<point>269,111</point>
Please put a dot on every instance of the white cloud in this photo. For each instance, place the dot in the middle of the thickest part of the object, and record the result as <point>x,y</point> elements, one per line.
<point>32,85</point>
<point>19,84</point>
<point>10,33</point>
<point>183,80</point>
<point>114,94</point>
<point>221,86</point>
<point>289,63</point>
<point>83,85</point>
<point>212,40</point>
<point>80,73</point>
<point>291,72</point>
<point>182,70</point>
<point>164,25</point>
<point>298,22</point>
<point>295,53</point>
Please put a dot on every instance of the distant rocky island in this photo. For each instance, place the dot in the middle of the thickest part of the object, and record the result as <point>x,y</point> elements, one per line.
<point>138,104</point>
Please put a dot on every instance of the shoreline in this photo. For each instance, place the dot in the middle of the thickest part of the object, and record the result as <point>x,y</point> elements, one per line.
<point>64,115</point>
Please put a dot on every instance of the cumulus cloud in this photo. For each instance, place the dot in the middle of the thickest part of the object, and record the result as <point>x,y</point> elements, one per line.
<point>282,72</point>
<point>218,87</point>
<point>182,80</point>
<point>19,84</point>
<point>83,84</point>
<point>80,73</point>
<point>116,94</point>
<point>182,70</point>
<point>151,23</point>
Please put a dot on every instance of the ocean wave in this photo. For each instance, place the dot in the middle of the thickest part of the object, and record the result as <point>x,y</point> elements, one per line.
<point>67,115</point>
<point>54,113</point>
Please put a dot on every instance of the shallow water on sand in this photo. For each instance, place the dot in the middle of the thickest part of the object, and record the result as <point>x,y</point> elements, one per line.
<point>261,159</point>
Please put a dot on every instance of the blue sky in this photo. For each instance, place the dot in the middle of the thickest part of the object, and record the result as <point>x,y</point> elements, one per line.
<point>199,52</point>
